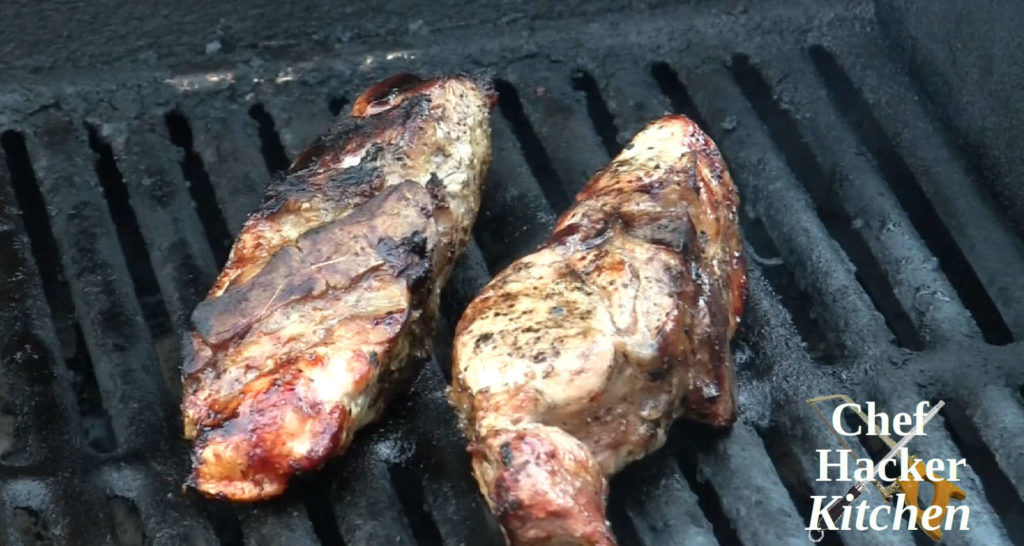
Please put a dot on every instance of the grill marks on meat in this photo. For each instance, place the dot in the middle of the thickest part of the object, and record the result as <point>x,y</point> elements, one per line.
<point>575,359</point>
<point>330,294</point>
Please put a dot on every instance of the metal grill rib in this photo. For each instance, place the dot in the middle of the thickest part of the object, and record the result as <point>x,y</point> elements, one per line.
<point>923,292</point>
<point>985,238</point>
<point>228,142</point>
<point>119,342</point>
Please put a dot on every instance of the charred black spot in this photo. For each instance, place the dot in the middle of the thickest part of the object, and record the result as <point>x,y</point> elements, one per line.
<point>407,257</point>
<point>397,252</point>
<point>363,173</point>
<point>657,375</point>
<point>482,339</point>
<point>373,358</point>
<point>506,454</point>
<point>435,186</point>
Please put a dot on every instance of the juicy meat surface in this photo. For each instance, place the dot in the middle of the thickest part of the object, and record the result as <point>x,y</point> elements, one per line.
<point>329,296</point>
<point>575,359</point>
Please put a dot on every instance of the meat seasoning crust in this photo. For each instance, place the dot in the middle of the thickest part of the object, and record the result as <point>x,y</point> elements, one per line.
<point>330,294</point>
<point>575,359</point>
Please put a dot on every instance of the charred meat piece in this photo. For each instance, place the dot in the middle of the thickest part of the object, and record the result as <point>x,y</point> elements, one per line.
<point>329,296</point>
<point>575,359</point>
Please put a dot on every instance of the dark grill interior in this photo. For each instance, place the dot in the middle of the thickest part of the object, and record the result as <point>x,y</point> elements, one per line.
<point>880,267</point>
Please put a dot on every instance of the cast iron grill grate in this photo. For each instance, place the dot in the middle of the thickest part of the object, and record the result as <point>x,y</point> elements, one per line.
<point>878,269</point>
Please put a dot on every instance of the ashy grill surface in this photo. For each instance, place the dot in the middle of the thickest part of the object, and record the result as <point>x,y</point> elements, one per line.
<point>879,268</point>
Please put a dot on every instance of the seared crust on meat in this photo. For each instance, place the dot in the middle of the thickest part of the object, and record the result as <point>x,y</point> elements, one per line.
<point>575,359</point>
<point>331,290</point>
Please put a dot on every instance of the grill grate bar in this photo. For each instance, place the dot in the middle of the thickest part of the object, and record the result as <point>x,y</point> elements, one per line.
<point>449,491</point>
<point>786,466</point>
<point>177,248</point>
<point>823,270</point>
<point>203,195</point>
<point>630,94</point>
<point>366,506</point>
<point>228,142</point>
<point>739,468</point>
<point>793,434</point>
<point>999,418</point>
<point>708,499</point>
<point>559,116</point>
<point>280,521</point>
<point>803,163</point>
<point>36,416</point>
<point>297,120</point>
<point>36,221</point>
<point>168,219</point>
<point>986,239</point>
<point>597,109</point>
<point>514,215</point>
<point>274,154</point>
<point>661,505</point>
<point>34,512</point>
<point>167,520</point>
<point>126,225</point>
<point>1004,501</point>
<point>118,340</point>
<point>923,291</point>
<point>536,156</point>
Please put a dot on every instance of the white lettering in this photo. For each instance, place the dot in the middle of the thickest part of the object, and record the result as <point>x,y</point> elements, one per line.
<point>930,470</point>
<point>883,471</point>
<point>928,516</point>
<point>865,470</point>
<point>837,421</point>
<point>874,517</point>
<point>882,418</point>
<point>903,510</point>
<point>952,511</point>
<point>953,464</point>
<point>920,412</point>
<point>820,515</point>
<point>824,465</point>
<point>862,509</point>
<point>908,472</point>
<point>901,420</point>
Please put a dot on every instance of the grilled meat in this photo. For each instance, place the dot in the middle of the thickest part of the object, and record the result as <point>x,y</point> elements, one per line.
<point>575,359</point>
<point>331,290</point>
